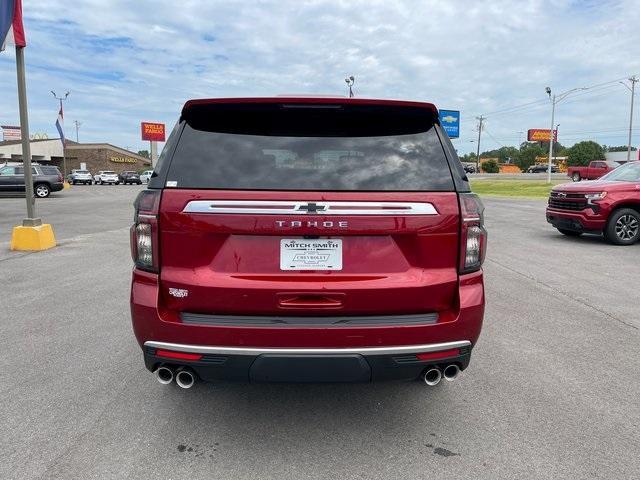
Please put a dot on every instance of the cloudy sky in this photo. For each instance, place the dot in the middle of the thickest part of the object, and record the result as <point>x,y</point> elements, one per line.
<point>127,61</point>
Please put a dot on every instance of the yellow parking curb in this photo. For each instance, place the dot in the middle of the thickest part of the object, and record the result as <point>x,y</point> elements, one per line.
<point>67,185</point>
<point>33,238</point>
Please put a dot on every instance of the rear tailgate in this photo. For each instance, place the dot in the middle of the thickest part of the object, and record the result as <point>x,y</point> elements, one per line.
<point>230,263</point>
<point>372,176</point>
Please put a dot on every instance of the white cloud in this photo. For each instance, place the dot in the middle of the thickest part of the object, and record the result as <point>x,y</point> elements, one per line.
<point>130,61</point>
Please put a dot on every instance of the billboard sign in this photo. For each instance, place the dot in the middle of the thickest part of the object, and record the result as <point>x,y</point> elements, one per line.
<point>9,132</point>
<point>541,135</point>
<point>153,132</point>
<point>450,121</point>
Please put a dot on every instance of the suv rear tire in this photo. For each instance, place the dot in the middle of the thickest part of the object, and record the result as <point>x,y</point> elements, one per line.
<point>569,233</point>
<point>41,190</point>
<point>623,227</point>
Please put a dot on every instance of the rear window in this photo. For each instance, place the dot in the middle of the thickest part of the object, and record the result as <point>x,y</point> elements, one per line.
<point>331,148</point>
<point>50,170</point>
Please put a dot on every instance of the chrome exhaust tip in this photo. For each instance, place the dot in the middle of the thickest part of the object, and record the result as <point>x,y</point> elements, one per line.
<point>451,372</point>
<point>185,378</point>
<point>164,375</point>
<point>432,377</point>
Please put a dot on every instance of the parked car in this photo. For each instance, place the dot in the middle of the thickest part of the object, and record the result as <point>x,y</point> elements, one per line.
<point>609,206</point>
<point>542,168</point>
<point>80,176</point>
<point>46,179</point>
<point>307,240</point>
<point>106,176</point>
<point>129,177</point>
<point>596,169</point>
<point>145,176</point>
<point>469,167</point>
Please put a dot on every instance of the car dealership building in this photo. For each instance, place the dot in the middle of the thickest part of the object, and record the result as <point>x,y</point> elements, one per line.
<point>91,156</point>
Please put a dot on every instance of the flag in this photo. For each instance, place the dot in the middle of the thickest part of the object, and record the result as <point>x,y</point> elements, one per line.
<point>11,27</point>
<point>60,125</point>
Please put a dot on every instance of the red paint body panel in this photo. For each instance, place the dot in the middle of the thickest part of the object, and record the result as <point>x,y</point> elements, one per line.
<point>462,321</point>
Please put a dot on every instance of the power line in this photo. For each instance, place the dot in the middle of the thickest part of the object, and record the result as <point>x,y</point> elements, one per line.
<point>536,103</point>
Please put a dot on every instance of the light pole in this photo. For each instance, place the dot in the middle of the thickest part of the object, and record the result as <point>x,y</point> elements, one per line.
<point>350,81</point>
<point>556,99</point>
<point>64,155</point>
<point>632,89</point>
<point>77,124</point>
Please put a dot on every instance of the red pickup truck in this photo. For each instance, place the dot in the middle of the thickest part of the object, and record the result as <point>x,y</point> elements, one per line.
<point>609,206</point>
<point>594,170</point>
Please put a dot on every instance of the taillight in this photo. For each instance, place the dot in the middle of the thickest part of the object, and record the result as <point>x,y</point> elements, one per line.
<point>144,231</point>
<point>473,241</point>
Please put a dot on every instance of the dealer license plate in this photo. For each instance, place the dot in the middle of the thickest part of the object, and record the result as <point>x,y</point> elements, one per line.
<point>306,254</point>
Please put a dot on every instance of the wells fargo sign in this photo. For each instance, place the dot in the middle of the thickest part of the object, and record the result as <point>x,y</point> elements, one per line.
<point>123,160</point>
<point>541,135</point>
<point>153,132</point>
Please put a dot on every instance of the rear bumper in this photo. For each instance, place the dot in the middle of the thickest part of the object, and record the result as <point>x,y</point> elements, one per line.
<point>362,352</point>
<point>586,220</point>
<point>308,364</point>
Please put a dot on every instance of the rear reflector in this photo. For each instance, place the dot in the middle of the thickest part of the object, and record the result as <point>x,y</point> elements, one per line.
<point>178,355</point>
<point>454,352</point>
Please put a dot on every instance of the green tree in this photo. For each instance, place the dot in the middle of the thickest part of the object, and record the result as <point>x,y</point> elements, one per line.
<point>528,153</point>
<point>503,154</point>
<point>559,150</point>
<point>621,148</point>
<point>490,166</point>
<point>583,152</point>
<point>144,153</point>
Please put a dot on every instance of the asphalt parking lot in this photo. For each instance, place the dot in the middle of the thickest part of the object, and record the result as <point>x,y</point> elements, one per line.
<point>552,390</point>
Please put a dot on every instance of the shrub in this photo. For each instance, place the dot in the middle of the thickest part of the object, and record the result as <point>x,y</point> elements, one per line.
<point>490,166</point>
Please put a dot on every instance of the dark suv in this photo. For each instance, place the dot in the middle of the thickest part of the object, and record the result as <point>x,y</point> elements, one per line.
<point>307,240</point>
<point>46,179</point>
<point>130,177</point>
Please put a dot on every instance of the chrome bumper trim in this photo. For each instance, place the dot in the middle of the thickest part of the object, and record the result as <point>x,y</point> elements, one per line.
<point>212,350</point>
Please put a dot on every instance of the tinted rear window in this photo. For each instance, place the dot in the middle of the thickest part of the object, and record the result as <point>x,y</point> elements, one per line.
<point>50,170</point>
<point>326,149</point>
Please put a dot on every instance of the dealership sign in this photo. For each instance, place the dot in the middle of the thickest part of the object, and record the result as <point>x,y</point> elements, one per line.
<point>153,132</point>
<point>541,135</point>
<point>450,121</point>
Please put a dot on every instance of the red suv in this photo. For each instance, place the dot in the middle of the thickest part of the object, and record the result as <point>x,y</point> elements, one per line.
<point>307,240</point>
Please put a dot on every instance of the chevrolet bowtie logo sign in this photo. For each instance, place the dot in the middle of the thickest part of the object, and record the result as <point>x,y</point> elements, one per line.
<point>311,207</point>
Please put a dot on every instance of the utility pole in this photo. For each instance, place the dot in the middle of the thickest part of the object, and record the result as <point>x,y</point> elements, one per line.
<point>63,139</point>
<point>480,120</point>
<point>632,89</point>
<point>77,124</point>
